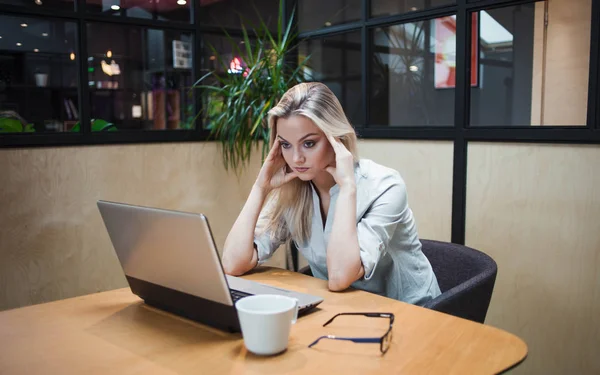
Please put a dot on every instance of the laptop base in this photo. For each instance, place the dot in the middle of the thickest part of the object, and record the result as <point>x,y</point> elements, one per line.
<point>198,309</point>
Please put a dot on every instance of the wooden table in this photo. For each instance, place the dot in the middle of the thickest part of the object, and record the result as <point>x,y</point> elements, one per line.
<point>116,333</point>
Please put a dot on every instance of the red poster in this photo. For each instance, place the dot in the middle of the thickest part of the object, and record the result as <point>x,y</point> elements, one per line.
<point>445,52</point>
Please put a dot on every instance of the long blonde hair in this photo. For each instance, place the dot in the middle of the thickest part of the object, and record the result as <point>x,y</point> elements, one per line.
<point>291,205</point>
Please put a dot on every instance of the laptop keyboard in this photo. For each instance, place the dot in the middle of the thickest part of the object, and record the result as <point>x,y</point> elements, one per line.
<point>236,294</point>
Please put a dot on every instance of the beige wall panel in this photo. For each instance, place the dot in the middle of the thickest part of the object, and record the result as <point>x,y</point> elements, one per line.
<point>53,243</point>
<point>426,167</point>
<point>535,210</point>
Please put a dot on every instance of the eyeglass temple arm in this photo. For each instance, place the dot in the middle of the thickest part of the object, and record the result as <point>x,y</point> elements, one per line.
<point>370,315</point>
<point>359,340</point>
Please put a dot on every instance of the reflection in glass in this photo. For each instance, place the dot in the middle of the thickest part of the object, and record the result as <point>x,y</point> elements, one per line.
<point>336,62</point>
<point>527,77</point>
<point>38,75</point>
<point>139,78</point>
<point>390,8</point>
<point>412,73</point>
<point>165,10</point>
<point>225,13</point>
<point>232,63</point>
<point>316,14</point>
<point>65,5</point>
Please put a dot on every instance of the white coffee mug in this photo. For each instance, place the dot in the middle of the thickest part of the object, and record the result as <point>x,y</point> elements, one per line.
<point>266,320</point>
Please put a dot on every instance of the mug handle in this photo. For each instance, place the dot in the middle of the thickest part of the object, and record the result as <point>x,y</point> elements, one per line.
<point>296,309</point>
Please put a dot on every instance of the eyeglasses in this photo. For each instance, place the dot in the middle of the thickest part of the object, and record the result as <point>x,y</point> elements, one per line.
<point>383,341</point>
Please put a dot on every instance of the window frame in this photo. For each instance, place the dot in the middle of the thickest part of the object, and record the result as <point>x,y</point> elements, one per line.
<point>590,133</point>
<point>81,17</point>
<point>460,134</point>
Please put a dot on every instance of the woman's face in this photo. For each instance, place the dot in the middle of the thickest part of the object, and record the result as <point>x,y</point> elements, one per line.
<point>304,147</point>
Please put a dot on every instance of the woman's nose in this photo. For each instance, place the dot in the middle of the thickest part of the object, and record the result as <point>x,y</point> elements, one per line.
<point>298,157</point>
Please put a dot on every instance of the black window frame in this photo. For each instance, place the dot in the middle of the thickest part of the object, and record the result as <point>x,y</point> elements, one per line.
<point>81,17</point>
<point>460,134</point>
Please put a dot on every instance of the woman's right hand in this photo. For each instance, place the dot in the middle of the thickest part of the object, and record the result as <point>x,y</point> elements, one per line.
<point>273,173</point>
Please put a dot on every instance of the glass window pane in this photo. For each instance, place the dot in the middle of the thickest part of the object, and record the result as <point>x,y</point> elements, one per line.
<point>412,73</point>
<point>529,74</point>
<point>38,75</point>
<point>225,50</point>
<point>230,58</point>
<point>170,10</point>
<point>390,8</point>
<point>225,13</point>
<point>42,4</point>
<point>336,62</point>
<point>316,14</point>
<point>139,78</point>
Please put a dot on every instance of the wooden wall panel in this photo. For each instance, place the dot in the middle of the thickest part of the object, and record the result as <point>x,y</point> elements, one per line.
<point>535,210</point>
<point>53,243</point>
<point>426,167</point>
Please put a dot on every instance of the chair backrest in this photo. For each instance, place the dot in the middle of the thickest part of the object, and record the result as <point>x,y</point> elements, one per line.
<point>466,277</point>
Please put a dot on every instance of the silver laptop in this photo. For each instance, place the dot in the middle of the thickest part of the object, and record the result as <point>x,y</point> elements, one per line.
<point>171,261</point>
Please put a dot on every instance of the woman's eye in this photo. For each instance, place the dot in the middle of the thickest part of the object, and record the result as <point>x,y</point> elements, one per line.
<point>285,145</point>
<point>309,144</point>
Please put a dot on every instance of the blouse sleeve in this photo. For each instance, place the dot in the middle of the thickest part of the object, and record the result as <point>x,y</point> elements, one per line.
<point>267,241</point>
<point>377,226</point>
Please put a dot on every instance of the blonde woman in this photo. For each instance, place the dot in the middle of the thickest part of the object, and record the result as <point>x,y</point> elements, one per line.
<point>349,217</point>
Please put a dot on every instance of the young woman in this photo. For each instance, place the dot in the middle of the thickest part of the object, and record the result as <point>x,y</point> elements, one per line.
<point>349,217</point>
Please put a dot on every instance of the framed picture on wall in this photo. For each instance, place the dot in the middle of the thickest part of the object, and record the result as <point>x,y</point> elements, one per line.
<point>445,51</point>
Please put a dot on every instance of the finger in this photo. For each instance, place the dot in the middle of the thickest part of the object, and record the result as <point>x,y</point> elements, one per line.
<point>331,171</point>
<point>334,142</point>
<point>290,176</point>
<point>274,149</point>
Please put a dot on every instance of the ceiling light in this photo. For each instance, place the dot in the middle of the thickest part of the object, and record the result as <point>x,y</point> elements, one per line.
<point>72,56</point>
<point>23,25</point>
<point>0,36</point>
<point>36,50</point>
<point>109,54</point>
<point>181,2</point>
<point>115,7</point>
<point>44,34</point>
<point>327,23</point>
<point>19,44</point>
<point>414,9</point>
<point>413,68</point>
<point>38,2</point>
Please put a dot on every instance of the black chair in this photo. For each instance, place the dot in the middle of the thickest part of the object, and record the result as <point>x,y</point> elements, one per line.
<point>466,277</point>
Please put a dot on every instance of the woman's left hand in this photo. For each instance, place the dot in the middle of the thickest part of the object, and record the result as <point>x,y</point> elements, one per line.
<point>343,172</point>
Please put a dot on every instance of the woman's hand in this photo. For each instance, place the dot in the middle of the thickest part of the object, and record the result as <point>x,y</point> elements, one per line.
<point>273,173</point>
<point>343,172</point>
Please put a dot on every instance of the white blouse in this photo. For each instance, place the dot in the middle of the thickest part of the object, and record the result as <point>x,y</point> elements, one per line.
<point>390,249</point>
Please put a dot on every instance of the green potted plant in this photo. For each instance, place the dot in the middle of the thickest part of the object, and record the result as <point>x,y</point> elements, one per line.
<point>237,97</point>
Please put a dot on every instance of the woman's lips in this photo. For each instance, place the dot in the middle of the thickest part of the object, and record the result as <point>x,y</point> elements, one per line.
<point>301,170</point>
